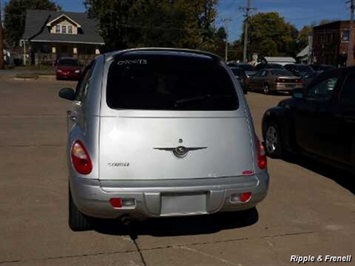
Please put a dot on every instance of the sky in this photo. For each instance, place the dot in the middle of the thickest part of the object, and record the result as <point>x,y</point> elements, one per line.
<point>297,12</point>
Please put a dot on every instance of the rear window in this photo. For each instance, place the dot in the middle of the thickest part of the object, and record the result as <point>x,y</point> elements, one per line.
<point>247,67</point>
<point>281,72</point>
<point>171,81</point>
<point>304,68</point>
<point>68,62</point>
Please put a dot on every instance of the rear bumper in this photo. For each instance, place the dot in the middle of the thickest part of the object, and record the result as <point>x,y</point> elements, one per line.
<point>157,198</point>
<point>73,76</point>
<point>286,87</point>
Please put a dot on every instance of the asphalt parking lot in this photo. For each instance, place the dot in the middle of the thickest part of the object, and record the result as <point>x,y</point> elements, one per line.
<point>308,216</point>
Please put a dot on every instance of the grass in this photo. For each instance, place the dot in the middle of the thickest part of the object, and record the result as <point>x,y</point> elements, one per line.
<point>32,68</point>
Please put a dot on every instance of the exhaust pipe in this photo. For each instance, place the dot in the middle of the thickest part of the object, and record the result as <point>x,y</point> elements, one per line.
<point>126,220</point>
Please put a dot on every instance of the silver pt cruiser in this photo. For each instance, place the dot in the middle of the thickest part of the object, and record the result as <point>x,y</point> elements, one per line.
<point>157,132</point>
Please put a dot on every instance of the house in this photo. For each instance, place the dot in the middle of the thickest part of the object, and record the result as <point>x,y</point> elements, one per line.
<point>50,35</point>
<point>303,56</point>
<point>331,43</point>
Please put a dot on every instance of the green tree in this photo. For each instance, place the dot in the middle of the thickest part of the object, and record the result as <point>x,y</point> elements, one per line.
<point>303,36</point>
<point>270,35</point>
<point>168,23</point>
<point>15,16</point>
<point>236,51</point>
<point>220,42</point>
<point>306,31</point>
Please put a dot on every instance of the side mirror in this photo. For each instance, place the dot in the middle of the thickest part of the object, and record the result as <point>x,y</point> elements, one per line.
<point>67,93</point>
<point>298,93</point>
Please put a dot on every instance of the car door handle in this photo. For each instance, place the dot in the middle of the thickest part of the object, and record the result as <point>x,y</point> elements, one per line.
<point>72,115</point>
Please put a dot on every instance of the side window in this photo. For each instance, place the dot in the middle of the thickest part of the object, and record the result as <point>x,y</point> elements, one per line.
<point>263,74</point>
<point>323,90</point>
<point>347,94</point>
<point>83,84</point>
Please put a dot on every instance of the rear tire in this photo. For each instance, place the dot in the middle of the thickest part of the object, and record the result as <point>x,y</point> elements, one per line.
<point>77,220</point>
<point>266,89</point>
<point>272,137</point>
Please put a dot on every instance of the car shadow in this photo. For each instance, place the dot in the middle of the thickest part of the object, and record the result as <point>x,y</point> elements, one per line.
<point>176,226</point>
<point>341,177</point>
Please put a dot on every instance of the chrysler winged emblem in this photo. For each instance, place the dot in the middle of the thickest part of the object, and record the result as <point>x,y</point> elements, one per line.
<point>180,151</point>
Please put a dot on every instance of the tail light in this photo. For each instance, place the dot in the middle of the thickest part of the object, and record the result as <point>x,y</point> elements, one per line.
<point>262,161</point>
<point>280,80</point>
<point>298,80</point>
<point>80,158</point>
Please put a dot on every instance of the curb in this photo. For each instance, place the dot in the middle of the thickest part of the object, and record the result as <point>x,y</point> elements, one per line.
<point>28,77</point>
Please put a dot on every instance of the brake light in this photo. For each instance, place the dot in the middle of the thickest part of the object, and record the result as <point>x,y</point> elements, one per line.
<point>80,158</point>
<point>280,80</point>
<point>262,161</point>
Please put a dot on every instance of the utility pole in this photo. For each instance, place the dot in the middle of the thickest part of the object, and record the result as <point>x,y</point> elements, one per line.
<point>225,23</point>
<point>2,64</point>
<point>350,60</point>
<point>246,22</point>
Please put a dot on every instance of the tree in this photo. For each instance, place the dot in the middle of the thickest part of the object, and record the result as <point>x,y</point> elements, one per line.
<point>303,36</point>
<point>236,51</point>
<point>15,16</point>
<point>2,63</point>
<point>270,35</point>
<point>169,23</point>
<point>220,42</point>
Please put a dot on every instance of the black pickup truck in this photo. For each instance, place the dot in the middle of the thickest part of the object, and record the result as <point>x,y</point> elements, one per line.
<point>318,121</point>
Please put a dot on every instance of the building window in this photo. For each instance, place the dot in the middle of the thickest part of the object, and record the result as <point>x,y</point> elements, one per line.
<point>319,39</point>
<point>57,29</point>
<point>345,34</point>
<point>64,29</point>
<point>328,38</point>
<point>70,29</point>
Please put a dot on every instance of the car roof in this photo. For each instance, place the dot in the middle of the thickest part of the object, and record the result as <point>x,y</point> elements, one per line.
<point>162,51</point>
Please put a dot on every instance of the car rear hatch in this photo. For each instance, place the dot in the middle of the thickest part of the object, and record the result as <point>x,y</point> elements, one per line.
<point>147,147</point>
<point>172,116</point>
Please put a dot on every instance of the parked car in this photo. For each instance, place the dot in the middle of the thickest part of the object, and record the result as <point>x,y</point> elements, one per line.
<point>268,66</point>
<point>248,69</point>
<point>306,73</point>
<point>241,76</point>
<point>318,121</point>
<point>320,67</point>
<point>68,68</point>
<point>273,80</point>
<point>158,132</point>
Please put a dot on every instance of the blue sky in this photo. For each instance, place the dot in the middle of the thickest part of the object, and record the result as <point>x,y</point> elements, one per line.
<point>296,12</point>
